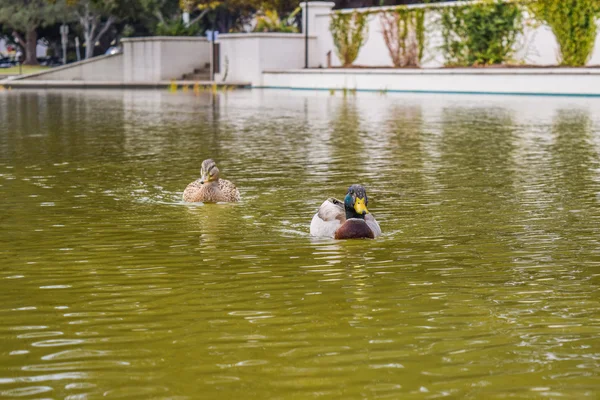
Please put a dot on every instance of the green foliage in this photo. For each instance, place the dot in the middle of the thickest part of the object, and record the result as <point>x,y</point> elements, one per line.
<point>270,22</point>
<point>404,35</point>
<point>232,15</point>
<point>480,34</point>
<point>574,25</point>
<point>420,31</point>
<point>349,34</point>
<point>24,16</point>
<point>176,28</point>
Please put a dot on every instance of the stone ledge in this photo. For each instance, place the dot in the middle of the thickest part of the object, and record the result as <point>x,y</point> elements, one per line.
<point>114,84</point>
<point>526,81</point>
<point>440,71</point>
<point>165,39</point>
<point>267,35</point>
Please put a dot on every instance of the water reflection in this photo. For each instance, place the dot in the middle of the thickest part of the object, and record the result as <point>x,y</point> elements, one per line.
<point>484,284</point>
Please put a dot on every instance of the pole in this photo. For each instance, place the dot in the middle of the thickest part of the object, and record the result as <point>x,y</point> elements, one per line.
<point>306,35</point>
<point>77,48</point>
<point>64,37</point>
<point>212,49</point>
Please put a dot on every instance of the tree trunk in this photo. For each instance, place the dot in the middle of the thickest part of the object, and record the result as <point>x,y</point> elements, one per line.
<point>89,46</point>
<point>31,48</point>
<point>88,33</point>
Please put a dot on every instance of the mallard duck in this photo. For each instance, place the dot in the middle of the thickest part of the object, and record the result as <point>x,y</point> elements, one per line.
<point>349,219</point>
<point>209,188</point>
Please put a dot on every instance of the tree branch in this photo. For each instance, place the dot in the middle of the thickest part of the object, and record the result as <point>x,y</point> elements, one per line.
<point>160,17</point>
<point>105,28</point>
<point>19,39</point>
<point>92,29</point>
<point>199,17</point>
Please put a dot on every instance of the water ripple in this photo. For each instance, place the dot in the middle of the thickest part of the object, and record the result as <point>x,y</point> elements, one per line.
<point>483,285</point>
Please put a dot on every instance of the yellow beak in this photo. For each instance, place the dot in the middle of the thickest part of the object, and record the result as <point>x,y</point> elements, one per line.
<point>360,207</point>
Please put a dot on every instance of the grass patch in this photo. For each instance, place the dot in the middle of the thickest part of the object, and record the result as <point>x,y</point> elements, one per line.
<point>27,69</point>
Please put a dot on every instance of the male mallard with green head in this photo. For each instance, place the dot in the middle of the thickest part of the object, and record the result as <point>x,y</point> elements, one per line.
<point>210,188</point>
<point>349,219</point>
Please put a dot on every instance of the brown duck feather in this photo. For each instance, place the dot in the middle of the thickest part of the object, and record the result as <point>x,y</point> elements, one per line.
<point>214,192</point>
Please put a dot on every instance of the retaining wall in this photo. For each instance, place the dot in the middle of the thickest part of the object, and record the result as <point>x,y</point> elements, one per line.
<point>244,56</point>
<point>102,68</point>
<point>525,81</point>
<point>160,58</point>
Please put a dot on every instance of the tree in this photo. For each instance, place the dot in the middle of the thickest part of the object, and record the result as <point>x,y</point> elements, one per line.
<point>164,18</point>
<point>24,17</point>
<point>96,17</point>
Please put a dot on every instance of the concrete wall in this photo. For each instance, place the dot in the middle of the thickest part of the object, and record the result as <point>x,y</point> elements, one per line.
<point>102,68</point>
<point>244,56</point>
<point>143,60</point>
<point>551,81</point>
<point>537,46</point>
<point>160,58</point>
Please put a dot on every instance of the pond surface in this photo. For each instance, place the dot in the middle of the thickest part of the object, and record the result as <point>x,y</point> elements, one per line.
<point>485,283</point>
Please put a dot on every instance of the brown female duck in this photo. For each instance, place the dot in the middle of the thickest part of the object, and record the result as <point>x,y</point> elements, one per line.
<point>210,188</point>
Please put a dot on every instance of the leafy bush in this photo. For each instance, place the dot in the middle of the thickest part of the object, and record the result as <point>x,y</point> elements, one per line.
<point>404,35</point>
<point>349,34</point>
<point>176,28</point>
<point>574,25</point>
<point>480,34</point>
<point>270,22</point>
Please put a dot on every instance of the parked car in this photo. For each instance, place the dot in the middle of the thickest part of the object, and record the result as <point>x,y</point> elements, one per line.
<point>113,50</point>
<point>6,62</point>
<point>50,61</point>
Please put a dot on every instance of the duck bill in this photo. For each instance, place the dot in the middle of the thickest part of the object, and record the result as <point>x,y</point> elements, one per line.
<point>360,206</point>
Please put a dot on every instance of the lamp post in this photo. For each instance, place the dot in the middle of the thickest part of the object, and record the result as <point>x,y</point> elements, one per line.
<point>306,35</point>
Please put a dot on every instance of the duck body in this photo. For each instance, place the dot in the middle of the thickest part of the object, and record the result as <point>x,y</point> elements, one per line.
<point>355,228</point>
<point>210,188</point>
<point>349,219</point>
<point>218,192</point>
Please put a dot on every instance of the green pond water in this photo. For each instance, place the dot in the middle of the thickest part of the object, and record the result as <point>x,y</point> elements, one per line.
<point>485,284</point>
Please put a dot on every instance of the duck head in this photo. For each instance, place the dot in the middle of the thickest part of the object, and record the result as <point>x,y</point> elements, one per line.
<point>355,202</point>
<point>209,172</point>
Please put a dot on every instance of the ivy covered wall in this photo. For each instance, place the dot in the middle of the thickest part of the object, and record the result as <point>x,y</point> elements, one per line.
<point>478,33</point>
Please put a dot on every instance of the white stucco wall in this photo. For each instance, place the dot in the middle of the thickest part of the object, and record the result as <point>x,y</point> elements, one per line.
<point>239,60</point>
<point>244,56</point>
<point>158,58</point>
<point>537,46</point>
<point>141,60</point>
<point>550,81</point>
<point>102,68</point>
